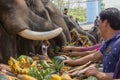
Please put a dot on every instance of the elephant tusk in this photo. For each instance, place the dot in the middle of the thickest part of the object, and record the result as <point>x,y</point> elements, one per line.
<point>33,35</point>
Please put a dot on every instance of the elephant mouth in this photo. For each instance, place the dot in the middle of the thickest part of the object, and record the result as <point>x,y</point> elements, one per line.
<point>33,35</point>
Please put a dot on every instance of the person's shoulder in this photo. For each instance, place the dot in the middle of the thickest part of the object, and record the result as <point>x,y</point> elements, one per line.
<point>117,37</point>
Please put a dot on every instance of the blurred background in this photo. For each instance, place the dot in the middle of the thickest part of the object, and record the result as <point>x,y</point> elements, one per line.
<point>86,10</point>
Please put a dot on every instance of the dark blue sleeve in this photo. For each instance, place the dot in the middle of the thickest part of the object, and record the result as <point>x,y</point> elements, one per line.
<point>117,70</point>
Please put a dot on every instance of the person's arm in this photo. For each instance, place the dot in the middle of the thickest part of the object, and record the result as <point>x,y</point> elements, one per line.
<point>66,48</point>
<point>81,54</point>
<point>81,49</point>
<point>104,76</point>
<point>91,57</point>
<point>90,48</point>
<point>92,71</point>
<point>83,60</point>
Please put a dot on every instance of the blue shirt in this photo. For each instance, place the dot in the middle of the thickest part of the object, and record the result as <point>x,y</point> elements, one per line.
<point>111,53</point>
<point>117,71</point>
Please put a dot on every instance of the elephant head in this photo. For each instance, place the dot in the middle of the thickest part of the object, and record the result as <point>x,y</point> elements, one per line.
<point>38,8</point>
<point>17,20</point>
<point>47,10</point>
<point>56,17</point>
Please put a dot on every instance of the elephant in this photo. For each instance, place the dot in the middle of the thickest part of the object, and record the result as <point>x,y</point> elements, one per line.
<point>47,10</point>
<point>38,8</point>
<point>96,33</point>
<point>71,24</point>
<point>20,28</point>
<point>57,17</point>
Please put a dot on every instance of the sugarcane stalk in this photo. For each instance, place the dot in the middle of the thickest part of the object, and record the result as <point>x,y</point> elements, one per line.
<point>83,71</point>
<point>79,72</point>
<point>80,67</point>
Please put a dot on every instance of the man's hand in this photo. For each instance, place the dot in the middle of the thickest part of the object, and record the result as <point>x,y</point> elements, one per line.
<point>68,60</point>
<point>92,71</point>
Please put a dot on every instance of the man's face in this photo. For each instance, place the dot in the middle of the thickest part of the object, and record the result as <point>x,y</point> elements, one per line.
<point>102,28</point>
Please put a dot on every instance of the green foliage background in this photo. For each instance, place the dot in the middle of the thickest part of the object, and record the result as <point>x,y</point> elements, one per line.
<point>79,13</point>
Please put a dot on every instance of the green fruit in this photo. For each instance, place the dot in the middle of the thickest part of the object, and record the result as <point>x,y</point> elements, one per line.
<point>61,58</point>
<point>58,63</point>
<point>25,57</point>
<point>44,64</point>
<point>57,49</point>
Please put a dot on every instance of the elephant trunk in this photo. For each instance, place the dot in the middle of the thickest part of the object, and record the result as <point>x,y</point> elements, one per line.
<point>91,37</point>
<point>61,23</point>
<point>72,25</point>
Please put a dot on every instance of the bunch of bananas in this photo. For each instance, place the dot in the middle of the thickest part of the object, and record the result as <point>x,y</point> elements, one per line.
<point>20,67</point>
<point>25,61</point>
<point>15,67</point>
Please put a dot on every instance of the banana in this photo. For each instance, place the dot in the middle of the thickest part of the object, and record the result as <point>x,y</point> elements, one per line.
<point>25,77</point>
<point>16,66</point>
<point>55,77</point>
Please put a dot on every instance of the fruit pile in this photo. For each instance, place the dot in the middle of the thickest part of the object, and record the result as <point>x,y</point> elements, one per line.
<point>34,68</point>
<point>27,68</point>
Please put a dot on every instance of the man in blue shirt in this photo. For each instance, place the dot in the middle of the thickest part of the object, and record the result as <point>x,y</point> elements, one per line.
<point>109,25</point>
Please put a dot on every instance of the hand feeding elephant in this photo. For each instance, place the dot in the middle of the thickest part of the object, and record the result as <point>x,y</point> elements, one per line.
<point>17,20</point>
<point>55,16</point>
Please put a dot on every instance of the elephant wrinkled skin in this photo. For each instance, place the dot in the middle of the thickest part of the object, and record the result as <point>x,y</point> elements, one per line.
<point>23,23</point>
<point>20,26</point>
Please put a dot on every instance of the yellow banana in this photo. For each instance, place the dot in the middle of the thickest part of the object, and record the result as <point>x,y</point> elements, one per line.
<point>25,77</point>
